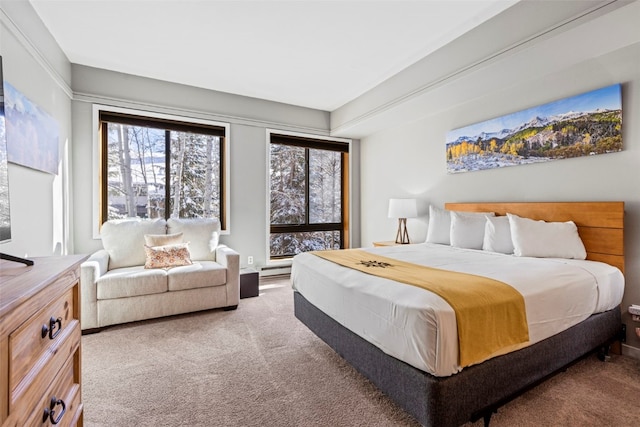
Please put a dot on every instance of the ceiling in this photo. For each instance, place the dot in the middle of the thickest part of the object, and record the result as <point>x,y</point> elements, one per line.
<point>317,54</point>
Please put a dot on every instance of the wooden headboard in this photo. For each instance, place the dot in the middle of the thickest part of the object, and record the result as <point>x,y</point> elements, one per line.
<point>600,224</point>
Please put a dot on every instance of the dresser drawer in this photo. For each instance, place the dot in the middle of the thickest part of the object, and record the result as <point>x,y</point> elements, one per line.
<point>37,380</point>
<point>41,333</point>
<point>60,403</point>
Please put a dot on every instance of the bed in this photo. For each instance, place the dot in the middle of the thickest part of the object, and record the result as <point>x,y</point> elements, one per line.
<point>418,368</point>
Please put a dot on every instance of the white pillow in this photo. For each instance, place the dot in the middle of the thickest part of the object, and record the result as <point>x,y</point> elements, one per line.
<point>152,240</point>
<point>545,239</point>
<point>201,233</point>
<point>467,231</point>
<point>123,239</point>
<point>497,235</point>
<point>439,226</point>
<point>439,229</point>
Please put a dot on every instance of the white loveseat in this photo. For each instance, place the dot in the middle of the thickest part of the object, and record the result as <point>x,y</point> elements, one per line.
<point>117,288</point>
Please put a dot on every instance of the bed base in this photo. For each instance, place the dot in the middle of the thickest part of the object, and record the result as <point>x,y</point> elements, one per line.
<point>475,392</point>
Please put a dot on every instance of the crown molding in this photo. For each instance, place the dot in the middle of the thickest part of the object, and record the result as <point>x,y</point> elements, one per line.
<point>35,53</point>
<point>192,113</point>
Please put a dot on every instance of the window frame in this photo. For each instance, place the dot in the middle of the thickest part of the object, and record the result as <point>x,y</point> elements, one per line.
<point>174,122</point>
<point>309,141</point>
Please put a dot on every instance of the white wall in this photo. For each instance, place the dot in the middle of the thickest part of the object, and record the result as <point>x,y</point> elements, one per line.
<point>408,159</point>
<point>39,213</point>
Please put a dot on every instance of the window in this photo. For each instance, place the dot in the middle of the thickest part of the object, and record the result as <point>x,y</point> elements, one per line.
<point>308,197</point>
<point>160,168</point>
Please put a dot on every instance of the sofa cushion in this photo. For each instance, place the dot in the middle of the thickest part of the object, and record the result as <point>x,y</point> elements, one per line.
<point>124,240</point>
<point>201,233</point>
<point>131,281</point>
<point>200,274</point>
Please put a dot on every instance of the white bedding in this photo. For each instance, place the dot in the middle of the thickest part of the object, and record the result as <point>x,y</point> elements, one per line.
<point>419,327</point>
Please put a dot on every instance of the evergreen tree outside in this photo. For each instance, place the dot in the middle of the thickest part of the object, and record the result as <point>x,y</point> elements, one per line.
<point>306,190</point>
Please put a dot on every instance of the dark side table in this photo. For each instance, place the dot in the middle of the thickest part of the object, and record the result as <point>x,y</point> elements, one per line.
<point>248,283</point>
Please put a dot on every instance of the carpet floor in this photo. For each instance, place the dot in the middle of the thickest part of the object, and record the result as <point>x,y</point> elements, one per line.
<point>259,366</point>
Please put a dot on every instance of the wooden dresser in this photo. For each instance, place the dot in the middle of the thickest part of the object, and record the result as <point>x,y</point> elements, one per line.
<point>40,342</point>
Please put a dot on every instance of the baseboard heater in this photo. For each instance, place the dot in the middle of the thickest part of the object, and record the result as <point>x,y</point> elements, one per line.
<point>275,270</point>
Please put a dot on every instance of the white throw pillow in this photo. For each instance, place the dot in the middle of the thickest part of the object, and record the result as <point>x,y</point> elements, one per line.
<point>497,235</point>
<point>439,229</point>
<point>123,239</point>
<point>467,231</point>
<point>545,239</point>
<point>201,233</point>
<point>162,239</point>
<point>439,226</point>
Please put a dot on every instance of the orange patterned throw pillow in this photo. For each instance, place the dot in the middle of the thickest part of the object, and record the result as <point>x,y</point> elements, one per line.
<point>167,256</point>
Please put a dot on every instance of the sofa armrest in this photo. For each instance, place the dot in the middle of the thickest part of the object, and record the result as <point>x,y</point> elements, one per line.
<point>90,271</point>
<point>230,259</point>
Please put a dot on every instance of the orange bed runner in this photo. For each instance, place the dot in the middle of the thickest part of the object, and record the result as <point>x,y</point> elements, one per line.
<point>490,314</point>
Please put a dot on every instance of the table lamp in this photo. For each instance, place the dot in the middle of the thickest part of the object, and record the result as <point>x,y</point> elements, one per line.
<point>402,209</point>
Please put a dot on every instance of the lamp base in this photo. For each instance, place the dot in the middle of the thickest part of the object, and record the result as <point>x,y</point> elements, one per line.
<point>402,237</point>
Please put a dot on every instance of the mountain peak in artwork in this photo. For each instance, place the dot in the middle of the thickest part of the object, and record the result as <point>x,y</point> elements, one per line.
<point>537,122</point>
<point>485,136</point>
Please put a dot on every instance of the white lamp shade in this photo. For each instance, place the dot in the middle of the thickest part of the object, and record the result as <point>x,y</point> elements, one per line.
<point>403,208</point>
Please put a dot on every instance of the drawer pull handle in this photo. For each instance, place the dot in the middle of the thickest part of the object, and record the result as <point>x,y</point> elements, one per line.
<point>49,412</point>
<point>51,329</point>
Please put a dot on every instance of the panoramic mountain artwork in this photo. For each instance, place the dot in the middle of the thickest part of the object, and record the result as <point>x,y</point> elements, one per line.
<point>582,125</point>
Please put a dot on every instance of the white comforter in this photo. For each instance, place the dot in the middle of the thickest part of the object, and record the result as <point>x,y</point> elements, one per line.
<point>419,327</point>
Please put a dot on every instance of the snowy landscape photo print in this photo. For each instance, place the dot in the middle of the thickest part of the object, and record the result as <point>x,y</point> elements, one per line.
<point>582,125</point>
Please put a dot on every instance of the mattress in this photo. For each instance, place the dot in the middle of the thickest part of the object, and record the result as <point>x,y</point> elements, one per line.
<point>419,328</point>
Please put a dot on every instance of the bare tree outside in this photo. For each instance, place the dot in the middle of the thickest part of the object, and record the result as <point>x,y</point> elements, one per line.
<point>124,156</point>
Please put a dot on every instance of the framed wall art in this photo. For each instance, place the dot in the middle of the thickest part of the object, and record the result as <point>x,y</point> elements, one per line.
<point>32,134</point>
<point>582,125</point>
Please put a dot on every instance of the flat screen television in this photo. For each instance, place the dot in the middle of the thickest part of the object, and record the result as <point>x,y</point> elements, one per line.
<point>5,210</point>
